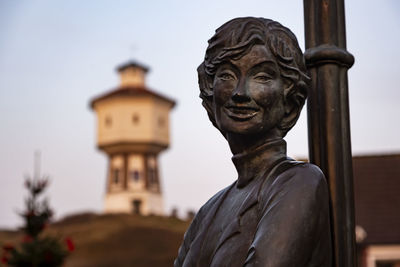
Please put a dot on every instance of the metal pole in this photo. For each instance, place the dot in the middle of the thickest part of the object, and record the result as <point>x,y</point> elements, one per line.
<point>328,117</point>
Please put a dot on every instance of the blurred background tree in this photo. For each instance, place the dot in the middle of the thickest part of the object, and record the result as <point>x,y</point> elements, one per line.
<point>35,248</point>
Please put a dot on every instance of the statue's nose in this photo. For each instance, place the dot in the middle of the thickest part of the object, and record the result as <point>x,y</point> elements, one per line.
<point>241,92</point>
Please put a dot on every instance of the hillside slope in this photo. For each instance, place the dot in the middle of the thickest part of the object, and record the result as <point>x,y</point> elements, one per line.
<point>116,240</point>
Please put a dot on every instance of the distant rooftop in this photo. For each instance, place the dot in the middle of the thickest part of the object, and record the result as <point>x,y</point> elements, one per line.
<point>377,197</point>
<point>130,92</point>
<point>132,85</point>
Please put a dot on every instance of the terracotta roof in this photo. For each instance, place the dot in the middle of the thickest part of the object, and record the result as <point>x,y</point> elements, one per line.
<point>130,91</point>
<point>377,197</point>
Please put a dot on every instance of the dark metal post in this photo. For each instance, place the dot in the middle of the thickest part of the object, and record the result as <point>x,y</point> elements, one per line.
<point>328,117</point>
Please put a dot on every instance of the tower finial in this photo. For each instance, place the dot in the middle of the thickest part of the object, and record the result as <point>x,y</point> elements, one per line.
<point>132,49</point>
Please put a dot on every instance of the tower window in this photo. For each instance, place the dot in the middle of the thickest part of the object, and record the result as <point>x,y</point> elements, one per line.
<point>161,121</point>
<point>115,176</point>
<point>135,118</point>
<point>135,175</point>
<point>108,121</point>
<point>152,176</point>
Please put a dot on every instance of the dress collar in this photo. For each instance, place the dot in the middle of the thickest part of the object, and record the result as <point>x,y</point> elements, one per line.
<point>254,163</point>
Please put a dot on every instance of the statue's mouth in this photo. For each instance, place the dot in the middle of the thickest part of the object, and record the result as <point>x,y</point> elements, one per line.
<point>241,113</point>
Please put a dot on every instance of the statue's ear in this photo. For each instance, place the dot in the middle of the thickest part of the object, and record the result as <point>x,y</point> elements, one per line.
<point>205,82</point>
<point>207,93</point>
<point>294,101</point>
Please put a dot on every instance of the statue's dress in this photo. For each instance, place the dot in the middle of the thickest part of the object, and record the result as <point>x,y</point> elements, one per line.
<point>276,214</point>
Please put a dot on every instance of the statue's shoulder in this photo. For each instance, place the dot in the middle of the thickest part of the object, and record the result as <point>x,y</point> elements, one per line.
<point>213,201</point>
<point>295,178</point>
<point>198,219</point>
<point>305,172</point>
<point>304,177</point>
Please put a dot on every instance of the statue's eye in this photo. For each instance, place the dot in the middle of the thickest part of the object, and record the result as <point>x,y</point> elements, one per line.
<point>262,77</point>
<point>226,76</point>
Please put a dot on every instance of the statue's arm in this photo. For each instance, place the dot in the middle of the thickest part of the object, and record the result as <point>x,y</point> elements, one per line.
<point>294,224</point>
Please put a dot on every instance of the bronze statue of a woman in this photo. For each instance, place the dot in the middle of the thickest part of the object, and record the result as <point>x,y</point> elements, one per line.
<point>253,83</point>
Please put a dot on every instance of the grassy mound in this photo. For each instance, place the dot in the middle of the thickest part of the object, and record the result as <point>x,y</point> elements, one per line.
<point>115,240</point>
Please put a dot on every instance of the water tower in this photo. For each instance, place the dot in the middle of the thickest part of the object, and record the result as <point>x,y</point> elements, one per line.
<point>132,129</point>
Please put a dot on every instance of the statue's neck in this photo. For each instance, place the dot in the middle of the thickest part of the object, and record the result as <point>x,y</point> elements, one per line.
<point>243,143</point>
<point>254,162</point>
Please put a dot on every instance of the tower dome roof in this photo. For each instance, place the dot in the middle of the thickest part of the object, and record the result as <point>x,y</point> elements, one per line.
<point>132,64</point>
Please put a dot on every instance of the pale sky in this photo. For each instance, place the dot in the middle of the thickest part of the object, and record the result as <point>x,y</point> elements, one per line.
<point>56,55</point>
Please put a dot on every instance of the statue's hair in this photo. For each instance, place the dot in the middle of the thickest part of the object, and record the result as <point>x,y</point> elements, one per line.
<point>235,38</point>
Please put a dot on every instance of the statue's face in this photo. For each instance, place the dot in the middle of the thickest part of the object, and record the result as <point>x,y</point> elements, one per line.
<point>248,94</point>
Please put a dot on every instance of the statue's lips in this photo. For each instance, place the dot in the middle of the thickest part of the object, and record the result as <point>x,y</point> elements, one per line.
<point>241,113</point>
